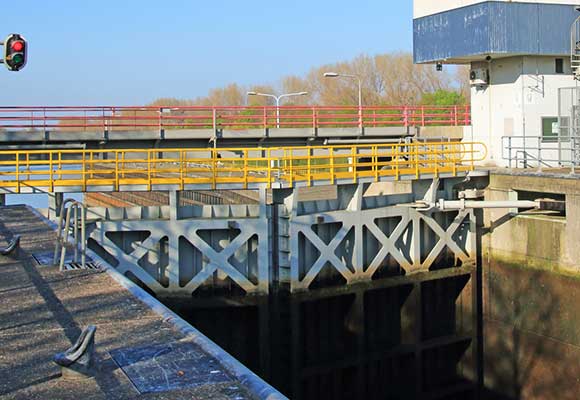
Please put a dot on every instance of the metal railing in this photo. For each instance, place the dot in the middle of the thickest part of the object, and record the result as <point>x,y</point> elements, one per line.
<point>184,169</point>
<point>109,118</point>
<point>539,152</point>
<point>75,214</point>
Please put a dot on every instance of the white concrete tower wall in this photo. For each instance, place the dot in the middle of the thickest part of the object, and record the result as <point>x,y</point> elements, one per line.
<point>522,92</point>
<point>422,8</point>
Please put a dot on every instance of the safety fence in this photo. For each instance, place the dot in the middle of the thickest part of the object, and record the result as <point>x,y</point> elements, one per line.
<point>109,118</point>
<point>180,169</point>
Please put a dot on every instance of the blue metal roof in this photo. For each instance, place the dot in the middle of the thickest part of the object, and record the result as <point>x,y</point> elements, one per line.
<point>494,28</point>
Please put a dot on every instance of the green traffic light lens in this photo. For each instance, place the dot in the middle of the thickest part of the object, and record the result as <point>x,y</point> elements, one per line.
<point>18,59</point>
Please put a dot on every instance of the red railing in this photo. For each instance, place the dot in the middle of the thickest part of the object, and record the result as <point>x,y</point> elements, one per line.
<point>194,117</point>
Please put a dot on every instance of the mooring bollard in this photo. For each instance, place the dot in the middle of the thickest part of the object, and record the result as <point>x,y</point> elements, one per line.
<point>12,247</point>
<point>78,361</point>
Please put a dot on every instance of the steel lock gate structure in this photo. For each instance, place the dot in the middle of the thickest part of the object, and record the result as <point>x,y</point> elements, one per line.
<point>177,250</point>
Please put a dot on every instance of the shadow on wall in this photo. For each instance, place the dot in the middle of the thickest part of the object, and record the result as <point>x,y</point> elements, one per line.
<point>531,333</point>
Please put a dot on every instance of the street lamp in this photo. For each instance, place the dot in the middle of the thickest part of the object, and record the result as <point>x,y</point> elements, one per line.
<point>277,98</point>
<point>356,77</point>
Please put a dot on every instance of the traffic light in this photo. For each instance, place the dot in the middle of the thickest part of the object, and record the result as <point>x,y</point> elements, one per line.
<point>15,48</point>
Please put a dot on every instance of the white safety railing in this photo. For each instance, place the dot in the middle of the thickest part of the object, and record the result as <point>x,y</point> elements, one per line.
<point>74,229</point>
<point>539,152</point>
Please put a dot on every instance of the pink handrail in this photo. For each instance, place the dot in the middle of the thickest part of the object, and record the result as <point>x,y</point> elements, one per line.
<point>231,117</point>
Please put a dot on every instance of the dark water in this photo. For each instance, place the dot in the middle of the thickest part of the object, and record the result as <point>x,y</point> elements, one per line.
<point>406,339</point>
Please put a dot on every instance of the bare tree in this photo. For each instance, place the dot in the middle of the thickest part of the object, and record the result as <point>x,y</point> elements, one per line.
<point>387,79</point>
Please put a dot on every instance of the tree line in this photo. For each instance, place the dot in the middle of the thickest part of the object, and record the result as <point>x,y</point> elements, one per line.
<point>387,80</point>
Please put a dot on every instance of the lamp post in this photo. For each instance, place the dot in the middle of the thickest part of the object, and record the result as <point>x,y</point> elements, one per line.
<point>356,77</point>
<point>277,98</point>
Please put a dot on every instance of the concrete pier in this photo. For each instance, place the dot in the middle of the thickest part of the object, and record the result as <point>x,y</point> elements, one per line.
<point>43,311</point>
<point>547,241</point>
<point>531,287</point>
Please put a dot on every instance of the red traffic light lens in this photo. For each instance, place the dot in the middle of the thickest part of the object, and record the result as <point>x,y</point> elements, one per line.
<point>17,46</point>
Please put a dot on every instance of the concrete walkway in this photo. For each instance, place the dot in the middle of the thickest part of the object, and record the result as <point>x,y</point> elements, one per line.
<point>42,312</point>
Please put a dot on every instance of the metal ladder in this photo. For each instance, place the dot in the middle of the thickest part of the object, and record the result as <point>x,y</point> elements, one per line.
<point>575,49</point>
<point>77,214</point>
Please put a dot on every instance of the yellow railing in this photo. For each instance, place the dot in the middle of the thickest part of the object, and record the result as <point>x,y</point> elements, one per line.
<point>148,169</point>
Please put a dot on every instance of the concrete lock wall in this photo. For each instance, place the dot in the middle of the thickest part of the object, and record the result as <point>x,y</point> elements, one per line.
<point>541,241</point>
<point>305,238</point>
<point>531,288</point>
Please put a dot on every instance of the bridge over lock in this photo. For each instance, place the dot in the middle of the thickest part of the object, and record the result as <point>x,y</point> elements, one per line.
<point>339,214</point>
<point>194,126</point>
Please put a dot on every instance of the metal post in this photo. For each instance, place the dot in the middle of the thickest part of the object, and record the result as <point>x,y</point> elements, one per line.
<point>360,109</point>
<point>278,112</point>
<point>539,153</point>
<point>510,150</point>
<point>63,244</point>
<point>59,237</point>
<point>83,236</point>
<point>75,212</point>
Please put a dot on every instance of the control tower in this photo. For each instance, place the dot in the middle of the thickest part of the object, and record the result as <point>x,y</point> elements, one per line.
<point>519,55</point>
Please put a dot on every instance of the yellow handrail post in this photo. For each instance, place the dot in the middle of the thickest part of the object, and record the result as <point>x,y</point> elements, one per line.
<point>416,160</point>
<point>354,160</point>
<point>436,155</point>
<point>454,159</point>
<point>245,168</point>
<point>269,155</point>
<point>116,170</point>
<point>185,162</point>
<point>51,177</point>
<point>149,166</point>
<point>309,166</point>
<point>214,168</point>
<point>59,166</point>
<point>123,165</point>
<point>17,172</point>
<point>396,158</point>
<point>181,164</point>
<point>84,172</point>
<point>291,158</point>
<point>376,163</point>
<point>246,155</point>
<point>332,172</point>
<point>92,165</point>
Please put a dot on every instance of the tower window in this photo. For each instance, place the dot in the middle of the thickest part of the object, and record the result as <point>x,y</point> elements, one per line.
<point>559,65</point>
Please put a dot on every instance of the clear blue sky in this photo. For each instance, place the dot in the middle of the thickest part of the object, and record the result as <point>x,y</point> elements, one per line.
<point>124,52</point>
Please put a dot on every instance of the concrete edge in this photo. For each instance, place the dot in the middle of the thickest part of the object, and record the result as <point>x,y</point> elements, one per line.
<point>256,385</point>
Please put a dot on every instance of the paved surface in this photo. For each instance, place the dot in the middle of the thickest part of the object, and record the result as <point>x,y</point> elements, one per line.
<point>42,312</point>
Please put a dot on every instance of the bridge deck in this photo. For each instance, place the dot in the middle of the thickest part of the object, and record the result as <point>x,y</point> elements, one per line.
<point>233,168</point>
